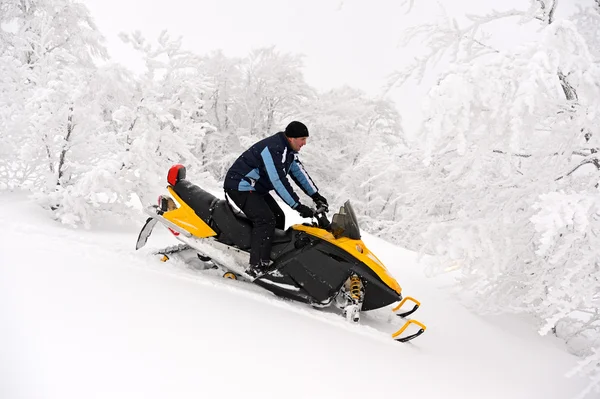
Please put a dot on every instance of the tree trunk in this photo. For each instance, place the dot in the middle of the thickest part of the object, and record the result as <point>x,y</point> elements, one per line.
<point>63,153</point>
<point>48,153</point>
<point>226,116</point>
<point>269,121</point>
<point>569,91</point>
<point>216,108</point>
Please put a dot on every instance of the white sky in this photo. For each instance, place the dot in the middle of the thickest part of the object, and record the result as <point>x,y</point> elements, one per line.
<point>345,42</point>
<point>352,42</point>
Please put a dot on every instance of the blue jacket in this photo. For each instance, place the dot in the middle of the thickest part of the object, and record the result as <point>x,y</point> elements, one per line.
<point>265,166</point>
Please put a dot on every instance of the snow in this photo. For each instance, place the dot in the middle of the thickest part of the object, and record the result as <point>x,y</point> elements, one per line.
<point>84,315</point>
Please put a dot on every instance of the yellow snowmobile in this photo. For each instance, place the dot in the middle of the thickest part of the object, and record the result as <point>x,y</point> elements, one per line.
<point>321,263</point>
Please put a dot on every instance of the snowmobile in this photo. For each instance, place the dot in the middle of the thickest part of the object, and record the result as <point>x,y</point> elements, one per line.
<point>321,263</point>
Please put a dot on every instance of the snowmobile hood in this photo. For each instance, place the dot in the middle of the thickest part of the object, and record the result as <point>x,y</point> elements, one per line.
<point>358,249</point>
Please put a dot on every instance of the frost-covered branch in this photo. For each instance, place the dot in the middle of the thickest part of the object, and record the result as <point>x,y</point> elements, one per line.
<point>547,8</point>
<point>593,161</point>
<point>568,89</point>
<point>513,155</point>
<point>447,38</point>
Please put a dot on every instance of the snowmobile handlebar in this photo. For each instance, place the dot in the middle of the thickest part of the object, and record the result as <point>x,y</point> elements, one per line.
<point>321,210</point>
<point>321,215</point>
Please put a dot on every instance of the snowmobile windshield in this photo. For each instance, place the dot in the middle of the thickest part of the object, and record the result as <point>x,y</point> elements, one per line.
<point>345,224</point>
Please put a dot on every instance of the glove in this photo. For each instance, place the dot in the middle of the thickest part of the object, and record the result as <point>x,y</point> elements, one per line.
<point>304,211</point>
<point>320,201</point>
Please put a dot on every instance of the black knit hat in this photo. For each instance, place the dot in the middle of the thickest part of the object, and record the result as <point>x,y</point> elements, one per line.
<point>296,129</point>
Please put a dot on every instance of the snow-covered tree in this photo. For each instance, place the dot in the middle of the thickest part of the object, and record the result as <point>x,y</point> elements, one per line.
<point>83,138</point>
<point>361,138</point>
<point>587,20</point>
<point>219,147</point>
<point>164,120</point>
<point>48,48</point>
<point>224,75</point>
<point>273,89</point>
<point>509,140</point>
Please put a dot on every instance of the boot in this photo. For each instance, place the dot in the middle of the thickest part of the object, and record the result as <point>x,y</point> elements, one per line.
<point>257,270</point>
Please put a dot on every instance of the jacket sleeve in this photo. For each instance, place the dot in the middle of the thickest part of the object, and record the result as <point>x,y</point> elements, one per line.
<point>302,179</point>
<point>279,179</point>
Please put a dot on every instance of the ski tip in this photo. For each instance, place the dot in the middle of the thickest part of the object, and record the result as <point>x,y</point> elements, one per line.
<point>398,335</point>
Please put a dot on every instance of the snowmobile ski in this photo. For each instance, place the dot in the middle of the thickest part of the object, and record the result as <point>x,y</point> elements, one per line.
<point>397,336</point>
<point>145,232</point>
<point>402,303</point>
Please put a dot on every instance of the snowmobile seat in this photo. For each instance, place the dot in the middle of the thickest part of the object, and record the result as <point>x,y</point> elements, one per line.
<point>202,202</point>
<point>231,229</point>
<point>236,229</point>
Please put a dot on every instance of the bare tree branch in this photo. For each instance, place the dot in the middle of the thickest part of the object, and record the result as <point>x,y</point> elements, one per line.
<point>514,155</point>
<point>552,10</point>
<point>547,11</point>
<point>411,4</point>
<point>594,161</point>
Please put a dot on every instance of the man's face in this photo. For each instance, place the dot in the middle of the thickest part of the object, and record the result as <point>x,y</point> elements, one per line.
<point>297,142</point>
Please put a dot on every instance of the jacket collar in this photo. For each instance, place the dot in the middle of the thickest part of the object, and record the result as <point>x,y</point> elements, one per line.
<point>286,142</point>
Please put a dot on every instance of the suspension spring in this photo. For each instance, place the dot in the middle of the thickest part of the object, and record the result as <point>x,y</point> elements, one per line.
<point>355,288</point>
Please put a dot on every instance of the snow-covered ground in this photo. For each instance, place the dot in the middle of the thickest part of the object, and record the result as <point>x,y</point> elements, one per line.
<point>83,315</point>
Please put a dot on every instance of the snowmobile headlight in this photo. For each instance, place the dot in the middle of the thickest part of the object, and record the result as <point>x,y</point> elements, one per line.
<point>359,248</point>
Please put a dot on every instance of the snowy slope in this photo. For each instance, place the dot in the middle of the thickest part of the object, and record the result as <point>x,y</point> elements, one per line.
<point>83,315</point>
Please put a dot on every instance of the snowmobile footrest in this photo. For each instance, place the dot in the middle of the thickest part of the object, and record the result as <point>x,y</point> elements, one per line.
<point>397,334</point>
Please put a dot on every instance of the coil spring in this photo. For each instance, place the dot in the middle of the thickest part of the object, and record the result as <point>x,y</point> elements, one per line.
<point>355,287</point>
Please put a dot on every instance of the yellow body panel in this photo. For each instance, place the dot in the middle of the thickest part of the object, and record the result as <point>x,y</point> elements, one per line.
<point>351,246</point>
<point>186,218</point>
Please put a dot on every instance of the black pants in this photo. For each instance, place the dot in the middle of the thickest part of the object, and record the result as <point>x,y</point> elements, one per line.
<point>265,215</point>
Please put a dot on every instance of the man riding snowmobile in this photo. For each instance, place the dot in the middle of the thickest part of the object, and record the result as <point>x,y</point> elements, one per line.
<point>324,264</point>
<point>260,169</point>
